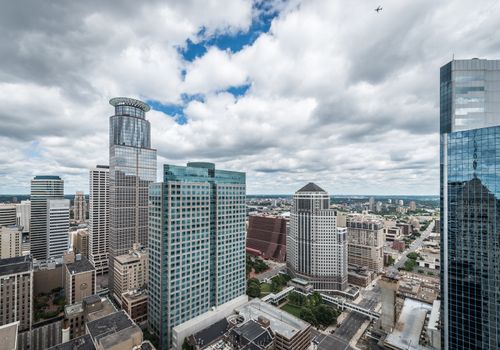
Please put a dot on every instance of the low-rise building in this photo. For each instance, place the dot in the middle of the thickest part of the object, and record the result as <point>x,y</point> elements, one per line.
<point>135,304</point>
<point>115,331</point>
<point>392,233</point>
<point>80,280</point>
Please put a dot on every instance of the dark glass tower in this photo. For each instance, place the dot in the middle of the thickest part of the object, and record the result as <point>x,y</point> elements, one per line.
<point>132,167</point>
<point>470,204</point>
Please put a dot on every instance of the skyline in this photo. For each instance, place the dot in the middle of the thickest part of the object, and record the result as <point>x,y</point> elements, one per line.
<point>285,91</point>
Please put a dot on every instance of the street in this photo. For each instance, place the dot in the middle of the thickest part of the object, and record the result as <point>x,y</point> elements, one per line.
<point>414,245</point>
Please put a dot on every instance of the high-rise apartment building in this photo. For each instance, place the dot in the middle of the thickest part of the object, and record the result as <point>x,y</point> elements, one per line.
<point>7,214</point>
<point>366,238</point>
<point>43,188</point>
<point>470,204</point>
<point>316,247</point>
<point>10,242</point>
<point>132,167</point>
<point>79,207</point>
<point>16,291</point>
<point>99,218</point>
<point>196,244</point>
<point>23,214</point>
<point>57,227</point>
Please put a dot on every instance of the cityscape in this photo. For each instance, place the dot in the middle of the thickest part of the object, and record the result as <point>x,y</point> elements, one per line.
<point>226,209</point>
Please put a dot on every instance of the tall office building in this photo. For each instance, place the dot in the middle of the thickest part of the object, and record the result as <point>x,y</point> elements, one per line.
<point>43,188</point>
<point>79,207</point>
<point>316,247</point>
<point>470,204</point>
<point>23,213</point>
<point>132,167</point>
<point>99,218</point>
<point>196,244</point>
<point>57,227</point>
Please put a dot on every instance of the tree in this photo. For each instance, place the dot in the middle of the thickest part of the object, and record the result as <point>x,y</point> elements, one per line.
<point>253,290</point>
<point>324,314</point>
<point>308,316</point>
<point>412,256</point>
<point>296,298</point>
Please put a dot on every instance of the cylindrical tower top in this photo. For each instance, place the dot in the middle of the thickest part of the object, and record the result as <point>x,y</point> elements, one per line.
<point>127,101</point>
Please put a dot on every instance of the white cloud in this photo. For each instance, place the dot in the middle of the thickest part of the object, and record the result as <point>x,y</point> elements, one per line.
<point>338,94</point>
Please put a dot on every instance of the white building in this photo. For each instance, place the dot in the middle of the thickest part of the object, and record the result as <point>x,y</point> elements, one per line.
<point>316,247</point>
<point>99,218</point>
<point>10,242</point>
<point>57,227</point>
<point>23,214</point>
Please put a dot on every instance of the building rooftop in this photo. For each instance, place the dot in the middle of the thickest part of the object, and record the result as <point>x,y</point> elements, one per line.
<point>135,295</point>
<point>281,322</point>
<point>110,324</point>
<point>79,266</point>
<point>211,333</point>
<point>127,101</point>
<point>406,333</point>
<point>128,258</point>
<point>81,343</point>
<point>47,177</point>
<point>251,335</point>
<point>14,265</point>
<point>8,334</point>
<point>311,187</point>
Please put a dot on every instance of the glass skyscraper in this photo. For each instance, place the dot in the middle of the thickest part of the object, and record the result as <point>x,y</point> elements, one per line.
<point>43,189</point>
<point>132,167</point>
<point>196,244</point>
<point>470,204</point>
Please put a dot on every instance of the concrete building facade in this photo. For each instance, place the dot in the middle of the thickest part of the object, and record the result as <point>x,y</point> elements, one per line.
<point>10,242</point>
<point>316,247</point>
<point>79,207</point>
<point>80,280</point>
<point>130,272</point>
<point>365,237</point>
<point>23,214</point>
<point>57,227</point>
<point>99,218</point>
<point>7,214</point>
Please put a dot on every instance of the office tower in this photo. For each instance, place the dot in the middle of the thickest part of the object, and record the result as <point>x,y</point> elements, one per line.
<point>43,188</point>
<point>10,242</point>
<point>266,237</point>
<point>365,237</point>
<point>80,280</point>
<point>132,167</point>
<point>7,214</point>
<point>131,271</point>
<point>372,203</point>
<point>23,213</point>
<point>470,204</point>
<point>16,286</point>
<point>57,227</point>
<point>79,207</point>
<point>99,218</point>
<point>401,202</point>
<point>196,244</point>
<point>81,245</point>
<point>316,247</point>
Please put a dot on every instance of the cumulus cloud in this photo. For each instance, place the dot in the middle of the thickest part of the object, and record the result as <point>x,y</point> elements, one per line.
<point>336,93</point>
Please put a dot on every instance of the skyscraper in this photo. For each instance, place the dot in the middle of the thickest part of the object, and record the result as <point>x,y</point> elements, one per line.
<point>132,167</point>
<point>23,213</point>
<point>470,204</point>
<point>196,244</point>
<point>99,218</point>
<point>43,188</point>
<point>79,207</point>
<point>316,247</point>
<point>57,227</point>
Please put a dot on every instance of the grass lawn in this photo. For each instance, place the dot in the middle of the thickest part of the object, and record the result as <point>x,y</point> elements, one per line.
<point>265,288</point>
<point>291,309</point>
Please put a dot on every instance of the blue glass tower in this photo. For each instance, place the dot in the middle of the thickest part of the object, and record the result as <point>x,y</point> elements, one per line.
<point>470,204</point>
<point>196,244</point>
<point>132,168</point>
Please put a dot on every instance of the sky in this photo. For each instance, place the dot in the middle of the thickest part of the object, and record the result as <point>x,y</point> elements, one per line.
<point>290,92</point>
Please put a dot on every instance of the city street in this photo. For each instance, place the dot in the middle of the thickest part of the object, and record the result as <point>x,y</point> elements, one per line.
<point>349,327</point>
<point>275,268</point>
<point>414,245</point>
